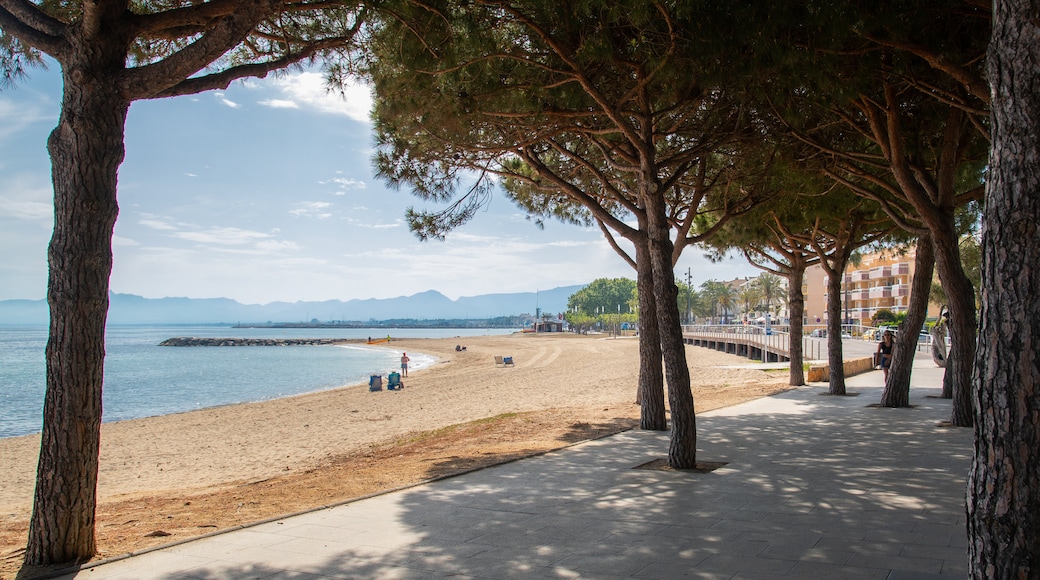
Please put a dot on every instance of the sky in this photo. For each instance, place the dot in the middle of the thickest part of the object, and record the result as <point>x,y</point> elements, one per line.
<point>265,192</point>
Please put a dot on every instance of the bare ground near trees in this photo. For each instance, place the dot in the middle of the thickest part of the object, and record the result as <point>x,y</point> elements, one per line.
<point>521,413</point>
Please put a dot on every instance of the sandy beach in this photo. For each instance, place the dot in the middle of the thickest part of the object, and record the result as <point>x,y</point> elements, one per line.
<point>188,453</point>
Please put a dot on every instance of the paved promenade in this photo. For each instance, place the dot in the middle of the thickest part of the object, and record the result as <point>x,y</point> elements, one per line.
<point>814,486</point>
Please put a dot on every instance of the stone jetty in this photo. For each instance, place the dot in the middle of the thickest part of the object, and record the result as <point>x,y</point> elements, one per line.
<point>196,341</point>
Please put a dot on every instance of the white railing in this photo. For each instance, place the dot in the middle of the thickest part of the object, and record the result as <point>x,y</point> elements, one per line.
<point>775,339</point>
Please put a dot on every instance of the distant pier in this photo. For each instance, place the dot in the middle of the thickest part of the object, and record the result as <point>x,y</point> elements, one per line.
<point>196,341</point>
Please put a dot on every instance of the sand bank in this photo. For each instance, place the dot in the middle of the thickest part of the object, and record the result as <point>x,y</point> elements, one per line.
<point>210,447</point>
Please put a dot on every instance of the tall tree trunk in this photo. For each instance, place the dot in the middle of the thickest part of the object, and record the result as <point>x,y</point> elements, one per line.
<point>961,296</point>
<point>682,451</point>
<point>897,389</point>
<point>947,384</point>
<point>835,352</point>
<point>1003,505</point>
<point>86,150</point>
<point>796,306</point>
<point>651,377</point>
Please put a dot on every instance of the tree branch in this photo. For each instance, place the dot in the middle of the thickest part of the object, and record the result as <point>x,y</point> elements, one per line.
<point>29,15</point>
<point>613,244</point>
<point>975,84</point>
<point>149,81</point>
<point>221,79</point>
<point>44,38</point>
<point>192,17</point>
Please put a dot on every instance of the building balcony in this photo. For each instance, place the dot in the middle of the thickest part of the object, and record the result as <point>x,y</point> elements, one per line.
<point>880,292</point>
<point>880,272</point>
<point>901,269</point>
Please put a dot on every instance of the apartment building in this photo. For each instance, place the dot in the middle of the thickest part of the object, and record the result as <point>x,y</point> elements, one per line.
<point>880,280</point>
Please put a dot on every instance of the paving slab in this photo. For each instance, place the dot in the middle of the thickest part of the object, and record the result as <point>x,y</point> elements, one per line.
<point>814,486</point>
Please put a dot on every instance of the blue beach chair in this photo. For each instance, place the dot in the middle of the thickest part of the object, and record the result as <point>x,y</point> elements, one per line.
<point>375,383</point>
<point>393,381</point>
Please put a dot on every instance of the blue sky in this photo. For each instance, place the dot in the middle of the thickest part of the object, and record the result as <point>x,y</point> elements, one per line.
<point>265,192</point>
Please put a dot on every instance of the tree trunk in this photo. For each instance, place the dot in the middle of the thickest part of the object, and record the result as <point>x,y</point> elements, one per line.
<point>651,378</point>
<point>897,389</point>
<point>86,150</point>
<point>1003,506</point>
<point>947,384</point>
<point>835,352</point>
<point>682,451</point>
<point>796,306</point>
<point>961,296</point>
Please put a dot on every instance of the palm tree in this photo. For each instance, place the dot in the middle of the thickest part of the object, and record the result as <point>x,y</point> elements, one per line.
<point>771,287</point>
<point>725,298</point>
<point>710,290</point>
<point>750,296</point>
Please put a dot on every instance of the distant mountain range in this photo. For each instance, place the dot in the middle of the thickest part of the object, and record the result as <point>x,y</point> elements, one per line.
<point>429,305</point>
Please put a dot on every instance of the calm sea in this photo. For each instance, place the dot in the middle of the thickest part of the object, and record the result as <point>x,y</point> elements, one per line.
<point>143,379</point>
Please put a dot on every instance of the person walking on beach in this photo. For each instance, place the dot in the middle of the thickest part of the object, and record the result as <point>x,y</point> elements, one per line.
<point>404,363</point>
<point>884,352</point>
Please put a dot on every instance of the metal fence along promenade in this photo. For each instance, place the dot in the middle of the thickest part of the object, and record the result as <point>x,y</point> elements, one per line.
<point>767,344</point>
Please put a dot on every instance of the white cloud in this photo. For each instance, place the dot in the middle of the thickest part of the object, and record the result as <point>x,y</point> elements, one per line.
<point>15,116</point>
<point>156,224</point>
<point>348,183</point>
<point>344,184</point>
<point>275,245</point>
<point>363,223</point>
<point>309,89</point>
<point>24,200</point>
<point>313,209</point>
<point>123,242</point>
<point>568,244</point>
<point>223,236</point>
<point>280,104</point>
<point>226,101</point>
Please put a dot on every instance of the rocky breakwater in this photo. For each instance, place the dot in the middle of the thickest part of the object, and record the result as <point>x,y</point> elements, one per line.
<point>196,341</point>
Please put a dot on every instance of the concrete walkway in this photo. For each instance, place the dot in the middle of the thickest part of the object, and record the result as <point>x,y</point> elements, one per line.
<point>814,486</point>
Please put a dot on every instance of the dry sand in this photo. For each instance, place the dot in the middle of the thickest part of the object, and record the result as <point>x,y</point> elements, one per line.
<point>190,452</point>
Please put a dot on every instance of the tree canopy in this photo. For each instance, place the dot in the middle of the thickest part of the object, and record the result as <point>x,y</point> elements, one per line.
<point>622,108</point>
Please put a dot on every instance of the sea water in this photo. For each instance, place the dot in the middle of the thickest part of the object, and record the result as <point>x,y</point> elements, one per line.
<point>143,379</point>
